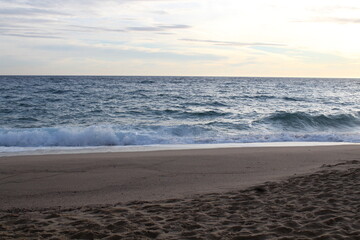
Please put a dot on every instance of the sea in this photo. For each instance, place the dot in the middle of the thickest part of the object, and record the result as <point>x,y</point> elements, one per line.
<point>64,113</point>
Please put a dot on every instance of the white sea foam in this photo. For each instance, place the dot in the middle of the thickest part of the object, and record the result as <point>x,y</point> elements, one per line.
<point>114,138</point>
<point>70,136</point>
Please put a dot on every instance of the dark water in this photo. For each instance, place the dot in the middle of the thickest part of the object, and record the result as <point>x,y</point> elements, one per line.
<point>98,111</point>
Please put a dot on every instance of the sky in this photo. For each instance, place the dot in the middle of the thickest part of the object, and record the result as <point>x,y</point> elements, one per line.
<point>265,38</point>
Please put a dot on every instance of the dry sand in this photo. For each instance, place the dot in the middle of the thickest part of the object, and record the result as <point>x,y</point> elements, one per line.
<point>190,194</point>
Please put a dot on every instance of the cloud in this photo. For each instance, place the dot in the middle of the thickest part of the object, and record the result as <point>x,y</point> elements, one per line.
<point>48,3</point>
<point>15,21</point>
<point>176,26</point>
<point>227,43</point>
<point>28,31</point>
<point>337,20</point>
<point>144,29</point>
<point>158,28</point>
<point>304,55</point>
<point>334,8</point>
<point>52,3</point>
<point>31,35</point>
<point>245,63</point>
<point>23,30</point>
<point>92,29</point>
<point>160,12</point>
<point>71,19</point>
<point>30,12</point>
<point>110,53</point>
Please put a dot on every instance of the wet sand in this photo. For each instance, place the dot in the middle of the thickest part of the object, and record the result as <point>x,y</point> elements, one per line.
<point>239,193</point>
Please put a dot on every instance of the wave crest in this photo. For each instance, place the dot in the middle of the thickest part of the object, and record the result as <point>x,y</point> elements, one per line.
<point>300,127</point>
<point>98,136</point>
<point>301,120</point>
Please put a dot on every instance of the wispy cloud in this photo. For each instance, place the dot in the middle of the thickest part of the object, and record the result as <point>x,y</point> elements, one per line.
<point>31,35</point>
<point>226,43</point>
<point>158,28</point>
<point>22,30</point>
<point>30,11</point>
<point>18,21</point>
<point>160,12</point>
<point>53,3</point>
<point>337,20</point>
<point>72,19</point>
<point>92,29</point>
<point>304,55</point>
<point>333,8</point>
<point>115,54</point>
<point>175,32</point>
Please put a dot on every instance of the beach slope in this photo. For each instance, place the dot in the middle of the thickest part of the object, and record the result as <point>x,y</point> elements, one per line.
<point>238,193</point>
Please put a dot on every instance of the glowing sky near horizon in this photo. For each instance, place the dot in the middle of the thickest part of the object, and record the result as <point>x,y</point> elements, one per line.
<point>181,37</point>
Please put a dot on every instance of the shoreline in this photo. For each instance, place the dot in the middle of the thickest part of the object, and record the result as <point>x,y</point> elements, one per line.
<point>73,180</point>
<point>32,151</point>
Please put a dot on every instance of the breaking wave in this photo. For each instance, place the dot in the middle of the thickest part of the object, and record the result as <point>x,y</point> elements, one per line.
<point>181,134</point>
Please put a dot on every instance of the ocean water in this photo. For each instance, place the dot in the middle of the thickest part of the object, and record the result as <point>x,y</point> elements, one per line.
<point>92,111</point>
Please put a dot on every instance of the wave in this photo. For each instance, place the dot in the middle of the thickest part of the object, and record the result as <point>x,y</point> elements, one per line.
<point>293,99</point>
<point>150,135</point>
<point>269,97</point>
<point>98,136</point>
<point>188,114</point>
<point>147,82</point>
<point>210,113</point>
<point>206,104</point>
<point>53,91</point>
<point>303,121</point>
<point>259,97</point>
<point>228,125</point>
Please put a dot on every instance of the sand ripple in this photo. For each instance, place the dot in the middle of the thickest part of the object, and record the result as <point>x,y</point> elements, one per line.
<point>323,205</point>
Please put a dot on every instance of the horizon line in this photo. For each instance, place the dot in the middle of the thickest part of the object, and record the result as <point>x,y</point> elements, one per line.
<point>220,76</point>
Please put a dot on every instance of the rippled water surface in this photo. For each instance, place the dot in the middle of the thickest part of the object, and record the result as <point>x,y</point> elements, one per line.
<point>98,111</point>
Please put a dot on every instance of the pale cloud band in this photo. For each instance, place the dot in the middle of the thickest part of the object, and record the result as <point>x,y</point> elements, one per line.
<point>226,43</point>
<point>180,37</point>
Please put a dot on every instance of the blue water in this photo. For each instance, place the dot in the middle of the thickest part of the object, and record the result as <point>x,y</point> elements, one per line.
<point>74,111</point>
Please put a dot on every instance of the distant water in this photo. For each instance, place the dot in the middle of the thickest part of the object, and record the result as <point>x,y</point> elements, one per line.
<point>73,111</point>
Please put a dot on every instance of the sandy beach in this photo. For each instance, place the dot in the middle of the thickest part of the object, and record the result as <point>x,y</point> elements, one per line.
<point>235,193</point>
